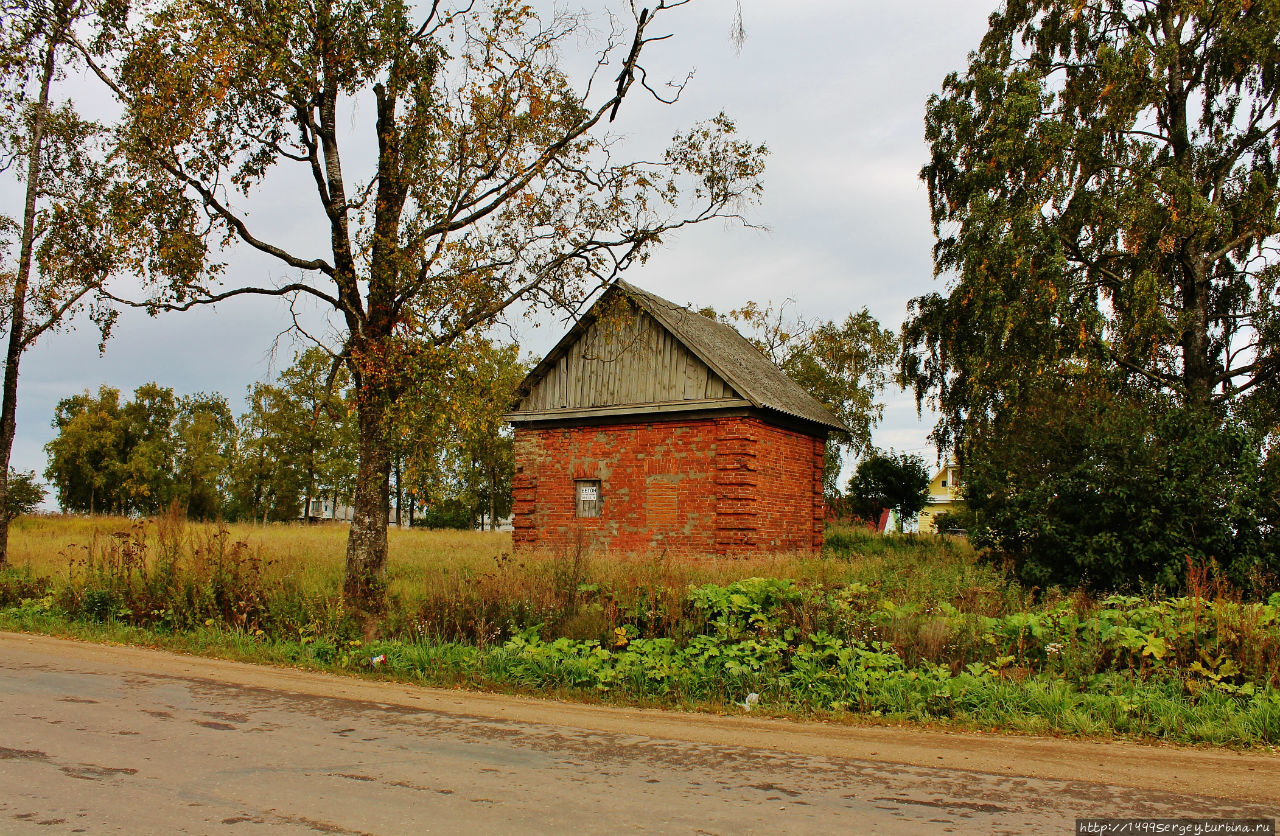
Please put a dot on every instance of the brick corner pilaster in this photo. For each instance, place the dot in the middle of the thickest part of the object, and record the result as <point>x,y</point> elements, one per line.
<point>737,485</point>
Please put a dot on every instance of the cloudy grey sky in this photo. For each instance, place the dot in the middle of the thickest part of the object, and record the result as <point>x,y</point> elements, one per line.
<point>836,88</point>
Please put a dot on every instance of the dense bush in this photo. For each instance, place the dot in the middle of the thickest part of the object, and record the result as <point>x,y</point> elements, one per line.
<point>25,494</point>
<point>1085,488</point>
<point>454,514</point>
<point>956,521</point>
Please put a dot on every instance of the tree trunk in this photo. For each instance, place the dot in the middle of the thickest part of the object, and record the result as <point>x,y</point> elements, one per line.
<point>311,474</point>
<point>493,520</point>
<point>259,500</point>
<point>18,309</point>
<point>367,541</point>
<point>1197,364</point>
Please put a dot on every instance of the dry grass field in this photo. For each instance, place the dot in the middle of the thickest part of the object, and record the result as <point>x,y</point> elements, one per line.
<point>465,584</point>
<point>311,554</point>
<point>426,562</point>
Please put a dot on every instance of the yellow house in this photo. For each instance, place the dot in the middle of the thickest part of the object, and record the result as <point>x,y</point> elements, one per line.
<point>945,495</point>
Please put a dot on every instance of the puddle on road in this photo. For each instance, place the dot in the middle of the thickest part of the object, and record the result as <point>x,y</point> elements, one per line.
<point>85,771</point>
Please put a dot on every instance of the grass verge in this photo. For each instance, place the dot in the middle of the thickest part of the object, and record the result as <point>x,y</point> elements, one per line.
<point>877,629</point>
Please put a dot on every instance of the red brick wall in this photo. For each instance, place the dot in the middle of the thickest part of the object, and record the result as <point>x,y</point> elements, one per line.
<point>791,509</point>
<point>719,485</point>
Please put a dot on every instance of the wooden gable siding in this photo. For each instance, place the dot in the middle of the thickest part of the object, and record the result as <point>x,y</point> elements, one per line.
<point>628,359</point>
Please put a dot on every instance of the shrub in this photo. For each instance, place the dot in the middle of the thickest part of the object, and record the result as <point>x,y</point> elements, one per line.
<point>1114,493</point>
<point>18,583</point>
<point>452,514</point>
<point>25,494</point>
<point>956,521</point>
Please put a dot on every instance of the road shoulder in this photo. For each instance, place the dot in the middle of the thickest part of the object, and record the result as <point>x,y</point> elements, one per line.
<point>1220,773</point>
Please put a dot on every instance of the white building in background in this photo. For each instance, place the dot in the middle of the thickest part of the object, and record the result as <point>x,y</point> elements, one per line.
<point>326,510</point>
<point>506,523</point>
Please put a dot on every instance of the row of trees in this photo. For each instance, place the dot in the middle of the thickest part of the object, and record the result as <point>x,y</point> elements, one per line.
<point>452,453</point>
<point>138,456</point>
<point>294,446</point>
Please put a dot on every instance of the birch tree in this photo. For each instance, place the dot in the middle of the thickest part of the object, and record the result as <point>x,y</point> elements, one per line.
<point>69,237</point>
<point>1105,190</point>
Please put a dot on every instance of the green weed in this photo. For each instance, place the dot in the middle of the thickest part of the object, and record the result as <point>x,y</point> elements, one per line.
<point>901,628</point>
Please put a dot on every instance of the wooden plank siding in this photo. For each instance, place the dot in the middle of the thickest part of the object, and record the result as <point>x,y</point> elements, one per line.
<point>625,360</point>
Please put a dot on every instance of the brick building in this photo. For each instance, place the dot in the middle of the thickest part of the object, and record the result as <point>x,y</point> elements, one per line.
<point>650,427</point>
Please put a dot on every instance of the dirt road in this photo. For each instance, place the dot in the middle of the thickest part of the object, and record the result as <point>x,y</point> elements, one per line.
<point>122,740</point>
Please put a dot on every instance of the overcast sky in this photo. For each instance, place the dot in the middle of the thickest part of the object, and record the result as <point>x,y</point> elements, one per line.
<point>835,88</point>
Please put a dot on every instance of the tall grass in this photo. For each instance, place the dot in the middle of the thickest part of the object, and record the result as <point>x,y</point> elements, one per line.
<point>313,555</point>
<point>928,598</point>
<point>447,585</point>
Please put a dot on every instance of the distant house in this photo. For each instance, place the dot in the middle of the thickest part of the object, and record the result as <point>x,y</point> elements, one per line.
<point>326,510</point>
<point>503,523</point>
<point>945,496</point>
<point>652,427</point>
<point>881,524</point>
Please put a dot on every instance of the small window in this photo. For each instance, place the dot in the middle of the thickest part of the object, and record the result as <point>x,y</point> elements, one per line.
<point>587,495</point>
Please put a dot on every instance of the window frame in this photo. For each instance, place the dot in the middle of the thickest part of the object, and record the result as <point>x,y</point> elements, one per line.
<point>588,509</point>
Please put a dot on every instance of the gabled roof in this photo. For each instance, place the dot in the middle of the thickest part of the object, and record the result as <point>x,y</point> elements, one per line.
<point>744,367</point>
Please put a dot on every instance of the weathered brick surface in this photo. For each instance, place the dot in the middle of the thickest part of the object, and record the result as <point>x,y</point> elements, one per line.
<point>703,485</point>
